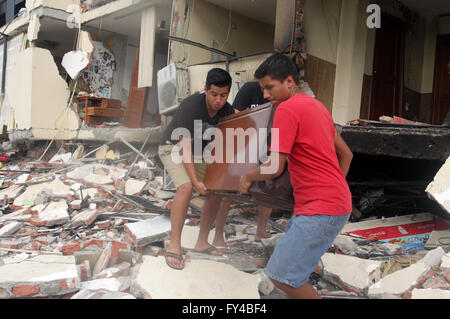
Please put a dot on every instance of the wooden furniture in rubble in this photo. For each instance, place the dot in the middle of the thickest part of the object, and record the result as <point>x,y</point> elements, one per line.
<point>99,110</point>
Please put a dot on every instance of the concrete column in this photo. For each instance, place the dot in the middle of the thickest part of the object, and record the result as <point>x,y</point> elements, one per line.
<point>147,47</point>
<point>350,64</point>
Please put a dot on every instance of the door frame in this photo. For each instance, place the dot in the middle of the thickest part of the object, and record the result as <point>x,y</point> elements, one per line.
<point>398,109</point>
<point>436,79</point>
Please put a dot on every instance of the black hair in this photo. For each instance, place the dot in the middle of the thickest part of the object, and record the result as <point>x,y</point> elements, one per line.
<point>219,78</point>
<point>278,67</point>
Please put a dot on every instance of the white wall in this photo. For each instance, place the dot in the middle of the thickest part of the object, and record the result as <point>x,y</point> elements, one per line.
<point>321,26</point>
<point>207,23</point>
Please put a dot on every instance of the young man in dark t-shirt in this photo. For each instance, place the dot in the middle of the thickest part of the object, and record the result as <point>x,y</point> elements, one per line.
<point>181,152</point>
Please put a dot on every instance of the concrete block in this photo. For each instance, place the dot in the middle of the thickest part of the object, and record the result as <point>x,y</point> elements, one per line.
<point>400,281</point>
<point>98,180</point>
<point>134,186</point>
<point>86,218</point>
<point>200,279</point>
<point>148,231</point>
<point>40,276</point>
<point>10,228</point>
<point>433,257</point>
<point>430,294</point>
<point>103,260</point>
<point>445,262</point>
<point>353,274</point>
<point>55,214</point>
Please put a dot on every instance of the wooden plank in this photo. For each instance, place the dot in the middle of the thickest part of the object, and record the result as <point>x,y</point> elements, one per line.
<point>135,108</point>
<point>136,99</point>
<point>111,104</point>
<point>104,112</point>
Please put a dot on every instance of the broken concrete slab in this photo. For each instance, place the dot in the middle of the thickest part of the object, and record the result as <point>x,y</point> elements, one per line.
<point>57,187</point>
<point>445,262</point>
<point>400,281</point>
<point>103,260</point>
<point>11,192</point>
<point>134,186</point>
<point>15,259</point>
<point>200,279</point>
<point>99,180</point>
<point>189,236</point>
<point>55,214</point>
<point>430,294</point>
<point>353,274</point>
<point>110,284</point>
<point>147,231</point>
<point>10,228</point>
<point>40,276</point>
<point>408,278</point>
<point>439,188</point>
<point>86,217</point>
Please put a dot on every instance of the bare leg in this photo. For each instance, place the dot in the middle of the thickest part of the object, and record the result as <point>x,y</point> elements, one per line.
<point>304,292</point>
<point>219,237</point>
<point>209,214</point>
<point>263,218</point>
<point>177,218</point>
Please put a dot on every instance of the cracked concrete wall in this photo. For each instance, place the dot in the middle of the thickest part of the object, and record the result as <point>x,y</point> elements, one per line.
<point>38,95</point>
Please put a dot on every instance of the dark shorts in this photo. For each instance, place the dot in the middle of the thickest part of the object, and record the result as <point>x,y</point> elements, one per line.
<point>298,252</point>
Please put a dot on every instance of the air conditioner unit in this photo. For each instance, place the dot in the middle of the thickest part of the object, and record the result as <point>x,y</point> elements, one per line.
<point>173,87</point>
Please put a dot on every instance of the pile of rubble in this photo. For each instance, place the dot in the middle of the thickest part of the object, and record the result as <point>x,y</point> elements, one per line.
<point>84,227</point>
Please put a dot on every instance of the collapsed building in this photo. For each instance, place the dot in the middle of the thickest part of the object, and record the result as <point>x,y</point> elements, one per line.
<point>112,73</point>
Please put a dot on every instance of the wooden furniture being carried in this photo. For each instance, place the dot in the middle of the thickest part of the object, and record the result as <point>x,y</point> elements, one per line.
<point>223,178</point>
<point>99,110</point>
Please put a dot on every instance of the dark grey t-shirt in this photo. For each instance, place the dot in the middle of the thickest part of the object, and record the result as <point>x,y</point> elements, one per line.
<point>249,96</point>
<point>191,109</point>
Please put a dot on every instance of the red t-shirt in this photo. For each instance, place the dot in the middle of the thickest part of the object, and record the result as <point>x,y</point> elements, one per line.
<point>306,134</point>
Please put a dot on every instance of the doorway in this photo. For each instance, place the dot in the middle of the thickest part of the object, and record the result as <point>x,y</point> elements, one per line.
<point>442,80</point>
<point>387,84</point>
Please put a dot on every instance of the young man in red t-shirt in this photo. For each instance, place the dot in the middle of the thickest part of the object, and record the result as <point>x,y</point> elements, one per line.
<point>318,161</point>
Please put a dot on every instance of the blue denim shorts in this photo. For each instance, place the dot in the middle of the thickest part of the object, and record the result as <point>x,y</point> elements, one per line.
<point>298,252</point>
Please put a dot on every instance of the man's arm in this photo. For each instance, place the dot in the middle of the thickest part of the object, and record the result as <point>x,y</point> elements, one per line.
<point>343,153</point>
<point>269,170</point>
<point>188,162</point>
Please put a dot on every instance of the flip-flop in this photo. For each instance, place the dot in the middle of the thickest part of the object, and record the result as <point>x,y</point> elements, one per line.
<point>208,251</point>
<point>175,256</point>
<point>225,249</point>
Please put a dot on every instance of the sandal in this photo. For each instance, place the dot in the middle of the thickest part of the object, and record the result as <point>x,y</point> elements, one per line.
<point>209,251</point>
<point>175,256</point>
